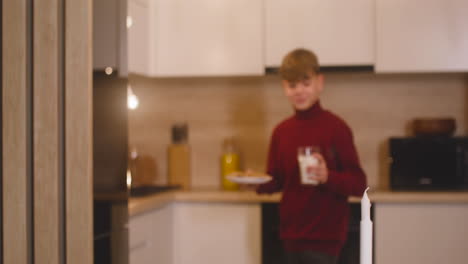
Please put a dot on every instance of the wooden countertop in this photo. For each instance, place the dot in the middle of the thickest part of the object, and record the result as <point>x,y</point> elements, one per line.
<point>139,205</point>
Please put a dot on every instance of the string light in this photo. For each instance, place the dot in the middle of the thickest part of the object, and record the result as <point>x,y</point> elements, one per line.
<point>132,99</point>
<point>108,70</point>
<point>129,21</point>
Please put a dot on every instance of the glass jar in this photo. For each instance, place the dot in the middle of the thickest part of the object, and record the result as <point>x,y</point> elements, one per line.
<point>229,163</point>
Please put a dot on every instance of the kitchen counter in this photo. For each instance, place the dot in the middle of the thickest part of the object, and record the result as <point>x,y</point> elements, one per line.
<point>139,205</point>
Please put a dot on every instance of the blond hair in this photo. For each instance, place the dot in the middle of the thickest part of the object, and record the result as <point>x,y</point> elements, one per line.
<point>298,65</point>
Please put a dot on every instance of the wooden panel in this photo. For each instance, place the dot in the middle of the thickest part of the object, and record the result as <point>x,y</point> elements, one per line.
<point>46,129</point>
<point>15,161</point>
<point>249,108</point>
<point>78,132</point>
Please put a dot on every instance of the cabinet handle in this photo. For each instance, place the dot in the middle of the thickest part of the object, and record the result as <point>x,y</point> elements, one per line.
<point>140,245</point>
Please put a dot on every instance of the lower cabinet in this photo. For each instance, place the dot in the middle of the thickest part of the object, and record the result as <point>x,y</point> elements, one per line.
<point>151,237</point>
<point>217,233</point>
<point>231,233</point>
<point>197,233</point>
<point>408,233</point>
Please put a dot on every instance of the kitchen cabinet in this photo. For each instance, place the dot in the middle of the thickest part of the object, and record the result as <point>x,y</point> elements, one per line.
<point>422,36</point>
<point>408,233</point>
<point>341,33</point>
<point>110,35</point>
<point>217,233</point>
<point>196,38</point>
<point>139,41</point>
<point>151,236</point>
<point>197,233</point>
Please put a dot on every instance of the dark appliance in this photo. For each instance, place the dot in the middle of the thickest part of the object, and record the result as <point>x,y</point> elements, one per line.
<point>429,163</point>
<point>272,247</point>
<point>110,154</point>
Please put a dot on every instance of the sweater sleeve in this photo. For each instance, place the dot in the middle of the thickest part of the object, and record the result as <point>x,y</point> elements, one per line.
<point>276,184</point>
<point>349,179</point>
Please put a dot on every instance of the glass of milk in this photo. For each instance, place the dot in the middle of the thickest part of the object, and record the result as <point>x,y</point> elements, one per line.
<point>306,164</point>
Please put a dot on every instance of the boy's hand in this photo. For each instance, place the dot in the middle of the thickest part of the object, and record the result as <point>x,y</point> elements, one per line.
<point>321,170</point>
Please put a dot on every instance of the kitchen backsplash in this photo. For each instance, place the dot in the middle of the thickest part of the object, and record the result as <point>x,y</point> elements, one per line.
<point>375,106</point>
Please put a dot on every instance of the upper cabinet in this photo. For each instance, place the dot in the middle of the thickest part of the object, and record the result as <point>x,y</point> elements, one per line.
<point>196,38</point>
<point>422,35</point>
<point>341,33</point>
<point>180,38</point>
<point>110,35</point>
<point>139,24</point>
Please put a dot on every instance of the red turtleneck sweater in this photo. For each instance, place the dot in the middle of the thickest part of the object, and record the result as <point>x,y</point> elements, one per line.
<point>314,217</point>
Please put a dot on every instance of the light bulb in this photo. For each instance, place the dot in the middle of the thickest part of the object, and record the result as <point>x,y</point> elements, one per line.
<point>132,101</point>
<point>129,21</point>
<point>109,70</point>
<point>129,179</point>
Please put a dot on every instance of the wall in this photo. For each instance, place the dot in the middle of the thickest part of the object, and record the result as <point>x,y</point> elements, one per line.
<point>375,106</point>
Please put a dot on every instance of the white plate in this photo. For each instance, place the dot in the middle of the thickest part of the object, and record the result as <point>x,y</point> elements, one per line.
<point>248,179</point>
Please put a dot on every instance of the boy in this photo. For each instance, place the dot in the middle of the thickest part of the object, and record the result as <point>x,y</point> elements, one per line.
<point>313,218</point>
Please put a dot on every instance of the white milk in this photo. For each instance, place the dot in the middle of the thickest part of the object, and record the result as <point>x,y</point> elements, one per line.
<point>305,162</point>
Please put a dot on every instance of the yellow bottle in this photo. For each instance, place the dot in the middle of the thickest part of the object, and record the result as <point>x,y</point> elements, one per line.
<point>178,157</point>
<point>229,164</point>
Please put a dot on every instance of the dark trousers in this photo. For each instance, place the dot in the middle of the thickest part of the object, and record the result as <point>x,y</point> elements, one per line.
<point>310,257</point>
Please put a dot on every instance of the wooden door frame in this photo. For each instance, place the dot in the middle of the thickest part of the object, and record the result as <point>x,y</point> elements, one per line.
<point>47,132</point>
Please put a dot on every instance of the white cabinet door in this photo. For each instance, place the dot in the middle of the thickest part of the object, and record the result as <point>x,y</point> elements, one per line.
<point>151,237</point>
<point>422,35</point>
<point>139,45</point>
<point>217,233</point>
<point>207,38</point>
<point>339,32</point>
<point>421,233</point>
<point>139,239</point>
